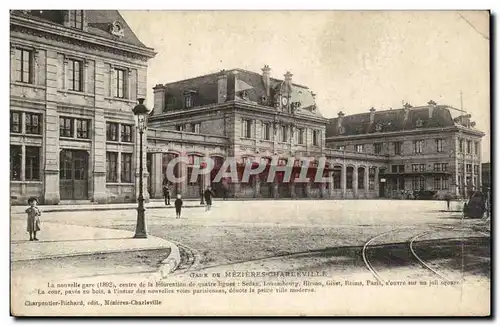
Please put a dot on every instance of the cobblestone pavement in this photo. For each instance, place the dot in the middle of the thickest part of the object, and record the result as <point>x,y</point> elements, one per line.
<point>236,232</point>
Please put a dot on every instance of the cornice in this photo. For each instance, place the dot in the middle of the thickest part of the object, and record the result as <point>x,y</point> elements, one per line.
<point>78,38</point>
<point>406,132</point>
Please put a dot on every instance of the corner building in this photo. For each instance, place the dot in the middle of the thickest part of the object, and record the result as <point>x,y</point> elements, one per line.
<point>75,77</point>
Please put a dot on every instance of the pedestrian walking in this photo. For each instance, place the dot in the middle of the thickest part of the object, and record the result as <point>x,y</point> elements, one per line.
<point>447,197</point>
<point>178,206</point>
<point>166,191</point>
<point>208,194</point>
<point>33,218</point>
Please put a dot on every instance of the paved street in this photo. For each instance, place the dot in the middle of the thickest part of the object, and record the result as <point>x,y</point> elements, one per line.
<point>264,232</point>
<point>339,238</point>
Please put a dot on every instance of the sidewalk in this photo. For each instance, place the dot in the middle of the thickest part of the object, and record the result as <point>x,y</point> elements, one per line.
<point>103,207</point>
<point>63,240</point>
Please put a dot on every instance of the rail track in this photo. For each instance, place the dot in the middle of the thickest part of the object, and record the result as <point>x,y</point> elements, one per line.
<point>414,257</point>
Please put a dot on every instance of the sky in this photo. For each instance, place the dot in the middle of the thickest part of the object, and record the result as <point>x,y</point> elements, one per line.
<point>352,60</point>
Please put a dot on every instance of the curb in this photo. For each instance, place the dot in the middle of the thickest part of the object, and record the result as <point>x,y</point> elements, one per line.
<point>111,251</point>
<point>86,209</point>
<point>170,264</point>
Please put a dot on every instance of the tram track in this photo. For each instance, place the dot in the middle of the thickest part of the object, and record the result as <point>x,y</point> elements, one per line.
<point>413,257</point>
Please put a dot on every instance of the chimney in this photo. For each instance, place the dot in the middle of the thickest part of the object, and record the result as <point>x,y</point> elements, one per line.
<point>222,87</point>
<point>339,120</point>
<point>372,114</point>
<point>431,106</point>
<point>288,77</point>
<point>160,94</point>
<point>266,78</point>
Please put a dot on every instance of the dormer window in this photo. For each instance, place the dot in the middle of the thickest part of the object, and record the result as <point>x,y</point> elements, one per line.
<point>378,127</point>
<point>341,130</point>
<point>188,100</point>
<point>76,19</point>
<point>263,99</point>
<point>420,123</point>
<point>244,95</point>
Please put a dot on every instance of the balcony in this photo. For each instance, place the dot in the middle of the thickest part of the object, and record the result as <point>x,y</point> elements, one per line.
<point>185,137</point>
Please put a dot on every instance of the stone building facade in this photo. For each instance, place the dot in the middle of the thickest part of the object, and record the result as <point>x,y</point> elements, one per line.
<point>75,77</point>
<point>251,117</point>
<point>425,148</point>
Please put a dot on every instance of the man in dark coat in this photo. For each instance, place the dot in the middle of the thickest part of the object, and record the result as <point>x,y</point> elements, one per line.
<point>208,194</point>
<point>166,191</point>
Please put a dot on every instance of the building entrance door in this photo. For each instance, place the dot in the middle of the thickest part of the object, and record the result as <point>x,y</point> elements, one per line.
<point>73,174</point>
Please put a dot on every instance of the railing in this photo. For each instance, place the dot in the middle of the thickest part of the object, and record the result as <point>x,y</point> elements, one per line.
<point>353,154</point>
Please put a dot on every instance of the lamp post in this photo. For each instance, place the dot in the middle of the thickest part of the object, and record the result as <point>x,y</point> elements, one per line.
<point>141,112</point>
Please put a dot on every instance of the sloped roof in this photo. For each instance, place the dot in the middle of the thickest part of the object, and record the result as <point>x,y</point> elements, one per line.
<point>391,120</point>
<point>98,24</point>
<point>240,80</point>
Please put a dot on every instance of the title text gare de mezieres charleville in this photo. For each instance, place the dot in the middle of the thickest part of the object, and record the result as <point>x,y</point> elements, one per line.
<point>77,74</point>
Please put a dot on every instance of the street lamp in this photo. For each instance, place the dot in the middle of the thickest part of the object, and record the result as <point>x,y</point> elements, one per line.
<point>141,112</point>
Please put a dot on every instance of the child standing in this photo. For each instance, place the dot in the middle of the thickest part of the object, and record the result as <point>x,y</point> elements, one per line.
<point>178,206</point>
<point>33,220</point>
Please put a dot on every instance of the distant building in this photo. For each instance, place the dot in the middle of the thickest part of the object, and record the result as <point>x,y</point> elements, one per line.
<point>425,148</point>
<point>75,77</point>
<point>251,116</point>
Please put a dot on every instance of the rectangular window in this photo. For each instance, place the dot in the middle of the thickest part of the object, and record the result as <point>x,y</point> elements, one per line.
<point>341,148</point>
<point>437,167</point>
<point>126,167</point>
<point>439,145</point>
<point>246,130</point>
<point>476,147</point>
<point>111,167</point>
<point>394,168</point>
<point>32,123</point>
<point>414,167</point>
<point>179,127</point>
<point>371,179</point>
<point>444,183</point>
<point>469,147</point>
<point>119,83</point>
<point>284,133</point>
<point>23,66</point>
<point>195,127</point>
<point>461,145</point>
<point>418,183</point>
<point>377,148</point>
<point>15,122</point>
<point>418,146</point>
<point>111,131</point>
<point>468,168</point>
<point>15,162</point>
<point>300,136</point>
<point>476,169</point>
<point>421,167</point>
<point>82,128</point>
<point>32,164</point>
<point>266,131</point>
<point>316,137</point>
<point>437,183</point>
<point>360,148</point>
<point>397,148</point>
<point>75,71</point>
<point>65,127</point>
<point>444,167</point>
<point>188,101</point>
<point>126,135</point>
<point>76,19</point>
